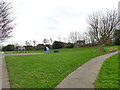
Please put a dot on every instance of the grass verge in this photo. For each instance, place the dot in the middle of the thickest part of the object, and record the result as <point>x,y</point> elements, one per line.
<point>108,75</point>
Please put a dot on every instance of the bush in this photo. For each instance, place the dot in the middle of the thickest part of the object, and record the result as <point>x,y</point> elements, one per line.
<point>29,47</point>
<point>8,48</point>
<point>117,37</point>
<point>58,45</point>
<point>70,45</point>
<point>117,41</point>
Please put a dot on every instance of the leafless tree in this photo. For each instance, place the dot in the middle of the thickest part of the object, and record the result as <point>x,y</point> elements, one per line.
<point>89,38</point>
<point>59,38</point>
<point>46,41</point>
<point>28,43</point>
<point>74,36</point>
<point>51,41</point>
<point>6,24</point>
<point>103,25</point>
<point>16,44</point>
<point>34,43</point>
<point>86,37</point>
<point>64,39</point>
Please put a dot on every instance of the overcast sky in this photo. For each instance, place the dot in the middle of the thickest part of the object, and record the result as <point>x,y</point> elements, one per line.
<point>39,19</point>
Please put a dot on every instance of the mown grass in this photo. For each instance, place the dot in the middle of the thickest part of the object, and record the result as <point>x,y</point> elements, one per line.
<point>47,70</point>
<point>108,75</point>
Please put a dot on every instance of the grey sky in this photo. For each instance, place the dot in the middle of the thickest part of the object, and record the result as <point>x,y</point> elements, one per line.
<point>39,19</point>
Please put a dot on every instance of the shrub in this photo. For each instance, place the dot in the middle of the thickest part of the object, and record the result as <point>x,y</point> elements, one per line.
<point>57,45</point>
<point>70,45</point>
<point>8,48</point>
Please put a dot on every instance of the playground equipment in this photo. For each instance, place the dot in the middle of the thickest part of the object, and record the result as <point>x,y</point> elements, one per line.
<point>21,49</point>
<point>56,51</point>
<point>46,49</point>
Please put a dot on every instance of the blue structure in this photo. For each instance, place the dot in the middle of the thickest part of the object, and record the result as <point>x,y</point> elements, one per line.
<point>46,49</point>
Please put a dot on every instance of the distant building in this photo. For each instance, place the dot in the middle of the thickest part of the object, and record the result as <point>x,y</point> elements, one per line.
<point>39,46</point>
<point>49,46</point>
<point>80,43</point>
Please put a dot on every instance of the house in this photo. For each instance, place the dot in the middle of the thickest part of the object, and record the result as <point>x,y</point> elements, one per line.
<point>39,46</point>
<point>49,46</point>
<point>80,43</point>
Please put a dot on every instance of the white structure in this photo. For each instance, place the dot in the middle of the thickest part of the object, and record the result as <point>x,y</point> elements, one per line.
<point>21,48</point>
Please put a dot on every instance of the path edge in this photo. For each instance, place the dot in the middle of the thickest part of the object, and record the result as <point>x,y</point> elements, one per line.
<point>57,86</point>
<point>118,52</point>
<point>5,78</point>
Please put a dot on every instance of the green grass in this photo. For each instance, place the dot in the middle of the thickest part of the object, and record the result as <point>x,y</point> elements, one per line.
<point>108,75</point>
<point>47,70</point>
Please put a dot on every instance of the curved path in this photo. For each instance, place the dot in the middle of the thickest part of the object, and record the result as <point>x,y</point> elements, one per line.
<point>85,75</point>
<point>4,73</point>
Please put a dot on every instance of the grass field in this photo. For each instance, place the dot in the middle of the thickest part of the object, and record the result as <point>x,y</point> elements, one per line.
<point>108,75</point>
<point>47,70</point>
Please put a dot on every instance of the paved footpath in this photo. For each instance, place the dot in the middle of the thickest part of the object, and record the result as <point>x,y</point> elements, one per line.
<point>4,80</point>
<point>85,75</point>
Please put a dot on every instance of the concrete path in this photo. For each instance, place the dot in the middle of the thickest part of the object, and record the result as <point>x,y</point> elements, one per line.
<point>85,76</point>
<point>5,79</point>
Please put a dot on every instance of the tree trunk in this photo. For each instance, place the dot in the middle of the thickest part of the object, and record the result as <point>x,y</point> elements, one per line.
<point>102,47</point>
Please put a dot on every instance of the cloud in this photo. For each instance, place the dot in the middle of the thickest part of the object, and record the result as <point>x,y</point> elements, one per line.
<point>39,19</point>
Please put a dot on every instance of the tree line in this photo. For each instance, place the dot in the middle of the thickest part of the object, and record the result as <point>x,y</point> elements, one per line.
<point>28,46</point>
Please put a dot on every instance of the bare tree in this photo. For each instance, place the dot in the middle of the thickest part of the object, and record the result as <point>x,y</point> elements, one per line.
<point>59,38</point>
<point>46,41</point>
<point>34,43</point>
<point>74,36</point>
<point>51,41</point>
<point>6,25</point>
<point>64,39</point>
<point>16,44</point>
<point>28,43</point>
<point>89,37</point>
<point>103,25</point>
<point>86,37</point>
